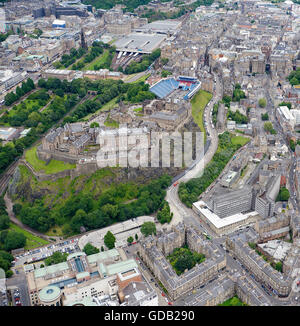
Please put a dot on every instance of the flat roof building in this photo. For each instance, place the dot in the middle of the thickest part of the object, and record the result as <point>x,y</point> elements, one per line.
<point>223,225</point>
<point>139,43</point>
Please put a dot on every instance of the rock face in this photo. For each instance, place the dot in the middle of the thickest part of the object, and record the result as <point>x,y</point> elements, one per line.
<point>14,181</point>
<point>27,187</point>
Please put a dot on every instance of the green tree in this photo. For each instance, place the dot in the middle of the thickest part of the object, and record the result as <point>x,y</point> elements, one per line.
<point>278,266</point>
<point>4,222</point>
<point>288,104</point>
<point>165,73</point>
<point>78,220</point>
<point>268,126</point>
<point>184,262</point>
<point>164,61</point>
<point>264,116</point>
<point>148,228</point>
<point>109,240</point>
<point>283,194</point>
<point>130,240</point>
<point>14,240</point>
<point>294,81</point>
<point>56,258</point>
<point>94,125</point>
<point>292,145</point>
<point>262,102</point>
<point>165,215</point>
<point>90,249</point>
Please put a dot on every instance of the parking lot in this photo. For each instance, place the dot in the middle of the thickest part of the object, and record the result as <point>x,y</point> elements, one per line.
<point>36,255</point>
<point>3,298</point>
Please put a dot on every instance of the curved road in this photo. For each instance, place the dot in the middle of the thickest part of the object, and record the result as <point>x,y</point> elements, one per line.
<point>180,211</point>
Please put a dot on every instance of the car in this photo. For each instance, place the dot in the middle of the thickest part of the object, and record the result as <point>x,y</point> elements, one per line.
<point>163,294</point>
<point>170,303</point>
<point>19,304</point>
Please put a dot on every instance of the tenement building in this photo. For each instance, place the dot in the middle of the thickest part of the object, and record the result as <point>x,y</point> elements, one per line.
<point>262,270</point>
<point>153,250</point>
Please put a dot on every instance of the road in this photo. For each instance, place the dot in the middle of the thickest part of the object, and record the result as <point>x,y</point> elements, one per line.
<point>12,217</point>
<point>131,253</point>
<point>180,211</point>
<point>18,281</point>
<point>137,76</point>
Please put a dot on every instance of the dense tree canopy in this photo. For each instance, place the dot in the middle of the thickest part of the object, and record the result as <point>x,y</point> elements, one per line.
<point>56,258</point>
<point>10,240</point>
<point>165,215</point>
<point>262,102</point>
<point>183,258</point>
<point>237,116</point>
<point>190,191</point>
<point>4,222</point>
<point>283,194</point>
<point>146,61</point>
<point>90,249</point>
<point>26,87</point>
<point>148,228</point>
<point>294,77</point>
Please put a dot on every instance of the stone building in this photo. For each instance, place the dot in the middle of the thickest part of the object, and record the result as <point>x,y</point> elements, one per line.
<point>176,285</point>
<point>258,266</point>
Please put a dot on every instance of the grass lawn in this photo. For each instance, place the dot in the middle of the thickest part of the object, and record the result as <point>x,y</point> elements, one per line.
<point>128,77</point>
<point>32,241</point>
<point>97,61</point>
<point>199,102</point>
<point>239,140</point>
<point>55,231</point>
<point>234,301</point>
<point>39,165</point>
<point>30,106</point>
<point>142,79</point>
<point>106,107</point>
<point>111,123</point>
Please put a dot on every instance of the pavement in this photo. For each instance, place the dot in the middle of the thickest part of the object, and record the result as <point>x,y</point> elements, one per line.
<point>179,210</point>
<point>18,281</point>
<point>131,252</point>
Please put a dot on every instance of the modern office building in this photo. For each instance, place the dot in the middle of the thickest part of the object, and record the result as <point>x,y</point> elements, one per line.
<point>81,277</point>
<point>231,203</point>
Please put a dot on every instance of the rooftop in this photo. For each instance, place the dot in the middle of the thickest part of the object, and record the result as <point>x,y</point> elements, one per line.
<point>221,222</point>
<point>49,293</point>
